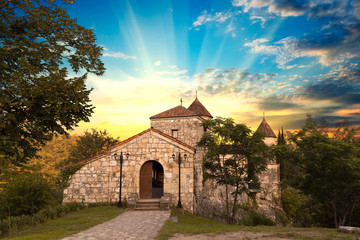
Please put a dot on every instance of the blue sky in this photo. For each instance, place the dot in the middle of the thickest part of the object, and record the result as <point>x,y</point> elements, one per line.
<point>286,58</point>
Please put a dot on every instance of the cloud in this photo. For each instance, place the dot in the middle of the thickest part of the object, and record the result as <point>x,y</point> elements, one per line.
<point>117,55</point>
<point>285,50</point>
<point>157,63</point>
<point>248,4</point>
<point>218,17</point>
<point>336,41</point>
<point>205,17</point>
<point>275,102</point>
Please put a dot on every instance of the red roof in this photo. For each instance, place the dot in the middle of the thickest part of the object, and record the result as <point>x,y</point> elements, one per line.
<point>199,109</point>
<point>178,111</point>
<point>265,128</point>
<point>195,109</point>
<point>129,140</point>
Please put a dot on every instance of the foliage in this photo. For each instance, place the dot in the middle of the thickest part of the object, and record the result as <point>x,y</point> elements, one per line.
<point>25,193</point>
<point>38,97</point>
<point>89,144</point>
<point>73,218</point>
<point>192,225</point>
<point>14,224</point>
<point>53,156</point>
<point>234,156</point>
<point>301,209</point>
<point>281,138</point>
<point>329,168</point>
<point>255,218</point>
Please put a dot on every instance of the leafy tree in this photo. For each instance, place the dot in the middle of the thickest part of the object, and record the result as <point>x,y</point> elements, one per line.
<point>234,157</point>
<point>25,192</point>
<point>53,156</point>
<point>281,139</point>
<point>38,97</point>
<point>329,168</point>
<point>89,144</point>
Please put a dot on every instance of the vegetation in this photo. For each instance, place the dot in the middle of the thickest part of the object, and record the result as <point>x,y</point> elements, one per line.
<point>89,144</point>
<point>190,225</point>
<point>321,176</point>
<point>67,224</point>
<point>38,97</point>
<point>234,157</point>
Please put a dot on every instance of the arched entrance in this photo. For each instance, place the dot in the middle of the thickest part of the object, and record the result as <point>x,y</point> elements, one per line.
<point>151,180</point>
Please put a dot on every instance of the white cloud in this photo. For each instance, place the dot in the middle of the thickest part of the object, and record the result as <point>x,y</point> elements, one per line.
<point>219,17</point>
<point>157,63</point>
<point>248,4</point>
<point>118,55</point>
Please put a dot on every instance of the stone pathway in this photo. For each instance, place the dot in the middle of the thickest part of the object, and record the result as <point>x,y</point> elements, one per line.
<point>140,225</point>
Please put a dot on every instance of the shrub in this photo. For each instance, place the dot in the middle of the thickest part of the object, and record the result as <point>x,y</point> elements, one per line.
<point>13,224</point>
<point>255,218</point>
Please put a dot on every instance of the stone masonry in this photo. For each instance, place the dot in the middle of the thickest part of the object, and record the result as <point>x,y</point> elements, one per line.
<point>174,131</point>
<point>99,179</point>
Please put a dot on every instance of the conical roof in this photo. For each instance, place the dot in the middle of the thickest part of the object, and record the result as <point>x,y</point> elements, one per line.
<point>199,109</point>
<point>265,128</point>
<point>178,111</point>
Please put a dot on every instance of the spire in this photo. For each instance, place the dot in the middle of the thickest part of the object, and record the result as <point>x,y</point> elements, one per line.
<point>199,109</point>
<point>265,128</point>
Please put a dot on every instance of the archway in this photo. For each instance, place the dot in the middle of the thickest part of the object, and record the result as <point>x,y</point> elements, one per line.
<point>151,180</point>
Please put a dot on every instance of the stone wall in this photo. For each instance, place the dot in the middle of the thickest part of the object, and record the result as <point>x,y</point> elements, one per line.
<point>212,199</point>
<point>190,132</point>
<point>99,179</point>
<point>189,129</point>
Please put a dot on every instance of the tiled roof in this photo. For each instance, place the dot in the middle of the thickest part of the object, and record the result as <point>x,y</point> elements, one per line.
<point>199,109</point>
<point>178,111</point>
<point>129,140</point>
<point>265,128</point>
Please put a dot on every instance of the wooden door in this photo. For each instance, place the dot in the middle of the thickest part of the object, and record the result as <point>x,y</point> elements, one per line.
<point>146,180</point>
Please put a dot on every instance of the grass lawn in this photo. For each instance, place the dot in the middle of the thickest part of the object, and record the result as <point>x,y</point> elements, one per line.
<point>191,225</point>
<point>69,224</point>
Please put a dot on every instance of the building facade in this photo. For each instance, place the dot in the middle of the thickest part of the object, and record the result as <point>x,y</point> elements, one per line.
<point>150,167</point>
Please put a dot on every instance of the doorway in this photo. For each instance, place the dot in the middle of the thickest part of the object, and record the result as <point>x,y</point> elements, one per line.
<point>151,180</point>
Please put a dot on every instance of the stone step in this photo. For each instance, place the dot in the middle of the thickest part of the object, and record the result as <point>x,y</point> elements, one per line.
<point>147,205</point>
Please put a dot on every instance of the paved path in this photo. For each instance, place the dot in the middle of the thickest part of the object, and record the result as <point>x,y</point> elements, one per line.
<point>140,225</point>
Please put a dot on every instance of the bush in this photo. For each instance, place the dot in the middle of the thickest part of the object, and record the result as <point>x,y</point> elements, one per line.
<point>14,224</point>
<point>254,219</point>
<point>25,193</point>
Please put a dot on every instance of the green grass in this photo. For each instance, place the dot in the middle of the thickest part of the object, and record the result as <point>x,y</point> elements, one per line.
<point>69,224</point>
<point>191,225</point>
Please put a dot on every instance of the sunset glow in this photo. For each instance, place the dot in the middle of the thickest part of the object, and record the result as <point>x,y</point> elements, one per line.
<point>243,57</point>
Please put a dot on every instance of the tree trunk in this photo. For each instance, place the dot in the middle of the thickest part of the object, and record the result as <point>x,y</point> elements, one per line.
<point>227,203</point>
<point>235,201</point>
<point>335,213</point>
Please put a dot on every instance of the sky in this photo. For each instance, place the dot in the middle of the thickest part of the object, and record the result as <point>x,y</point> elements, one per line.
<point>284,58</point>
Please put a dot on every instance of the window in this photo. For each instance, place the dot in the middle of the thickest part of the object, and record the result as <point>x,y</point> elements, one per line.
<point>174,133</point>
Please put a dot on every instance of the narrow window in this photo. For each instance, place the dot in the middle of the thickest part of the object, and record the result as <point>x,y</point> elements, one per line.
<point>174,133</point>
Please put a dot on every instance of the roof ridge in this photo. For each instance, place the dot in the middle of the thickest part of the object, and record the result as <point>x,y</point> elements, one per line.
<point>265,128</point>
<point>129,140</point>
<point>178,111</point>
<point>199,109</point>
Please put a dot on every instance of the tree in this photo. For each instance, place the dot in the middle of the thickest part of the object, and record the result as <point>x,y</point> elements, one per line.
<point>329,168</point>
<point>25,193</point>
<point>38,96</point>
<point>234,157</point>
<point>89,144</point>
<point>53,156</point>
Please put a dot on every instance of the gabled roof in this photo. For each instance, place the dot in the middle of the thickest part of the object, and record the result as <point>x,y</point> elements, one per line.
<point>265,128</point>
<point>129,140</point>
<point>178,111</point>
<point>199,109</point>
